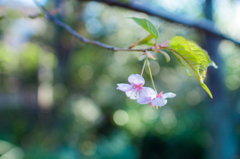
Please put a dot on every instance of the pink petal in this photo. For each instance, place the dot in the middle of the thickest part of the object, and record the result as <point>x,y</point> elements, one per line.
<point>144,100</point>
<point>159,102</point>
<point>136,79</point>
<point>124,87</point>
<point>143,92</point>
<point>151,92</point>
<point>146,95</point>
<point>168,95</point>
<point>133,94</point>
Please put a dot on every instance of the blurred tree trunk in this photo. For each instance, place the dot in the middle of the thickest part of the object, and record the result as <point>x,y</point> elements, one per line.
<point>61,47</point>
<point>220,112</point>
<point>61,50</point>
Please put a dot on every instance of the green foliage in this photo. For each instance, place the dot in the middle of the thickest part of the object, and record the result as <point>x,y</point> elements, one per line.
<point>146,39</point>
<point>147,25</point>
<point>194,56</point>
<point>210,62</point>
<point>30,54</point>
<point>2,17</point>
<point>183,65</point>
<point>167,57</point>
<point>185,50</point>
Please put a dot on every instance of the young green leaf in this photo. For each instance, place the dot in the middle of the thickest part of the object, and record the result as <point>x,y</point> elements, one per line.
<point>183,65</point>
<point>210,62</point>
<point>146,39</point>
<point>198,50</point>
<point>167,57</point>
<point>182,48</point>
<point>207,90</point>
<point>151,56</point>
<point>147,25</point>
<point>2,17</point>
<point>194,56</point>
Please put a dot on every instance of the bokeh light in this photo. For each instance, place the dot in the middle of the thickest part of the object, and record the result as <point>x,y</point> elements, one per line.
<point>120,117</point>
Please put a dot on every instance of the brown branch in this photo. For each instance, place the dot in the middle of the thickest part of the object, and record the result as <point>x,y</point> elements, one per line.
<point>50,17</point>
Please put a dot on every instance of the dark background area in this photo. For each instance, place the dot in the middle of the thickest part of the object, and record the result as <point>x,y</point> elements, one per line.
<point>58,96</point>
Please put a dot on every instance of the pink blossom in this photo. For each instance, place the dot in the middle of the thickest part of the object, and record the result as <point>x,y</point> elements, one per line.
<point>150,96</point>
<point>135,89</point>
<point>155,99</point>
<point>161,100</point>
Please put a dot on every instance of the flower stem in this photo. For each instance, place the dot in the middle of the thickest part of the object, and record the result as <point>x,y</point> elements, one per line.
<point>150,74</point>
<point>143,67</point>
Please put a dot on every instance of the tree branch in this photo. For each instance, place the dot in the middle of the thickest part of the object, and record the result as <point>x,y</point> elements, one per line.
<point>50,17</point>
<point>202,24</point>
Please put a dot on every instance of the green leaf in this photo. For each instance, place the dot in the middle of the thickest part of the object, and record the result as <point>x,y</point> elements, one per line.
<point>194,56</point>
<point>182,48</point>
<point>146,39</point>
<point>166,56</point>
<point>197,50</point>
<point>2,17</point>
<point>183,65</point>
<point>151,56</point>
<point>213,64</point>
<point>207,90</point>
<point>147,25</point>
<point>210,62</point>
<point>150,43</point>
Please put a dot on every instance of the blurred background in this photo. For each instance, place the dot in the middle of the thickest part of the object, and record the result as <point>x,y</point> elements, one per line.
<point>58,96</point>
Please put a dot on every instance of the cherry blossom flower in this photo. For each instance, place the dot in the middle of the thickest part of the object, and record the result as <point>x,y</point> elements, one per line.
<point>149,97</point>
<point>135,89</point>
<point>161,100</point>
<point>155,99</point>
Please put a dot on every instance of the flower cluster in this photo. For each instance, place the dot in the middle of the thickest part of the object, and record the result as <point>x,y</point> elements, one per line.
<point>143,95</point>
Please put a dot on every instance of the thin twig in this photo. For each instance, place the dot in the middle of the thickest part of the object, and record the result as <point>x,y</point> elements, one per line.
<point>50,17</point>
